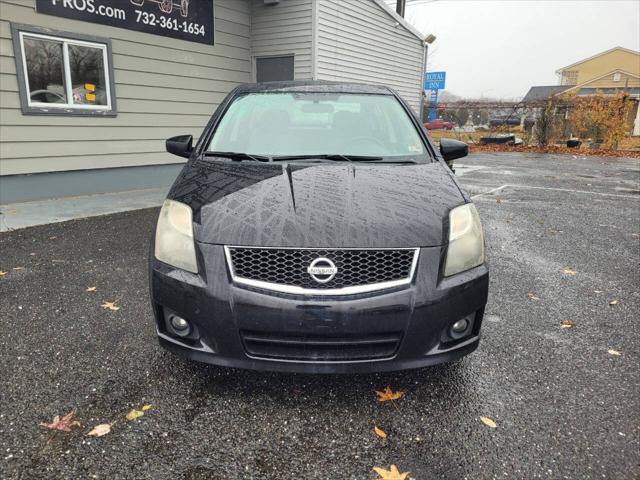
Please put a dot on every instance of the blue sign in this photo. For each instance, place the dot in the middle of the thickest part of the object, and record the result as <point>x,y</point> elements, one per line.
<point>434,80</point>
<point>433,105</point>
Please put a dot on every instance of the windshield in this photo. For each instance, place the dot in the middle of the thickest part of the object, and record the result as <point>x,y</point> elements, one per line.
<point>307,124</point>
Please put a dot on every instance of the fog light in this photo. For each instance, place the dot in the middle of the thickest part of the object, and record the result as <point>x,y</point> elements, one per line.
<point>460,326</point>
<point>180,325</point>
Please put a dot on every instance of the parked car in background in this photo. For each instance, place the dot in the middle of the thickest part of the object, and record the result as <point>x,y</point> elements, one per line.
<point>439,124</point>
<point>316,228</point>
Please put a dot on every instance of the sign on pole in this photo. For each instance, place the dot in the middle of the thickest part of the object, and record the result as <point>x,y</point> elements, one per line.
<point>434,80</point>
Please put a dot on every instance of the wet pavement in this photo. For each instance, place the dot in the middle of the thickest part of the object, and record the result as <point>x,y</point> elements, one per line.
<point>565,407</point>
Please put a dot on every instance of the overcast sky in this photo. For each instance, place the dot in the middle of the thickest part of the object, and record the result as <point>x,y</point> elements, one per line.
<point>499,48</point>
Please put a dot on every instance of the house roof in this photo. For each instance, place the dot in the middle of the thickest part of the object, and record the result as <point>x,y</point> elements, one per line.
<point>598,55</point>
<point>407,26</point>
<point>543,92</point>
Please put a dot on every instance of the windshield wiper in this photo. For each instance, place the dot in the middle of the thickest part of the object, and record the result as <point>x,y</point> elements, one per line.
<point>238,156</point>
<point>329,156</point>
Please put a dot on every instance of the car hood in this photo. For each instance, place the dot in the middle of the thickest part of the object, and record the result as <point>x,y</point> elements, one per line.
<point>318,204</point>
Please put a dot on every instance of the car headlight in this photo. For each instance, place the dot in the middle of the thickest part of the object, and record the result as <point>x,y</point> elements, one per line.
<point>174,236</point>
<point>466,241</point>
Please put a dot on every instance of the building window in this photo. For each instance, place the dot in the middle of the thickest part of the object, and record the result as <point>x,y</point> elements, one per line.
<point>570,77</point>
<point>63,74</point>
<point>616,77</point>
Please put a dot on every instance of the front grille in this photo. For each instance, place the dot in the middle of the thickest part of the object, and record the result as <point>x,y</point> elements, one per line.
<point>321,348</point>
<point>287,269</point>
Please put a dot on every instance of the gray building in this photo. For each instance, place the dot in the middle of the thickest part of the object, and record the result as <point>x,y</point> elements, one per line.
<point>90,89</point>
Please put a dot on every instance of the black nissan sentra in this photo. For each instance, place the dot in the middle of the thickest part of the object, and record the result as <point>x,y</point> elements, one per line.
<point>316,228</point>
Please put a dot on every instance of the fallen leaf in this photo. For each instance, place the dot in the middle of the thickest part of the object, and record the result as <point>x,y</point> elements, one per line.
<point>597,291</point>
<point>611,351</point>
<point>392,474</point>
<point>110,306</point>
<point>533,296</point>
<point>388,394</point>
<point>146,408</point>
<point>498,200</point>
<point>613,302</point>
<point>100,430</point>
<point>63,424</point>
<point>567,324</point>
<point>17,268</point>
<point>2,274</point>
<point>488,422</point>
<point>52,238</point>
<point>133,414</point>
<point>568,271</point>
<point>381,433</point>
<point>91,289</point>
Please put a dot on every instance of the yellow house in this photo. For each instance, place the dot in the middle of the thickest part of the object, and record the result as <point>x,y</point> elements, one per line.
<point>608,72</point>
<point>615,68</point>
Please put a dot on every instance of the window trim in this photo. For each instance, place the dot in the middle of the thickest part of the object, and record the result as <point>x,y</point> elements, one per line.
<point>18,33</point>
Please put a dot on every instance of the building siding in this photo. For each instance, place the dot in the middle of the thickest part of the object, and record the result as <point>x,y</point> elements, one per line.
<point>284,29</point>
<point>358,41</point>
<point>163,87</point>
<point>626,81</point>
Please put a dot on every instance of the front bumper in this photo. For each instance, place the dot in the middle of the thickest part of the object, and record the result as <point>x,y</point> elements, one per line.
<point>382,331</point>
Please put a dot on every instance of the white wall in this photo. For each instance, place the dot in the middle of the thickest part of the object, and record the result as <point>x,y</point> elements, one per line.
<point>284,29</point>
<point>359,41</point>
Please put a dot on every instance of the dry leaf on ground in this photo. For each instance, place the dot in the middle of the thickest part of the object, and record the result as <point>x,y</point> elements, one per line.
<point>17,268</point>
<point>146,408</point>
<point>133,414</point>
<point>100,430</point>
<point>379,432</point>
<point>91,289</point>
<point>2,274</point>
<point>568,271</point>
<point>392,474</point>
<point>488,422</point>
<point>533,296</point>
<point>616,353</point>
<point>388,394</point>
<point>613,302</point>
<point>567,324</point>
<point>110,306</point>
<point>63,424</point>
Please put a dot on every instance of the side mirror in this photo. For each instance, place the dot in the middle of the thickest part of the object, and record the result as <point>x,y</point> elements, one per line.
<point>452,149</point>
<point>181,145</point>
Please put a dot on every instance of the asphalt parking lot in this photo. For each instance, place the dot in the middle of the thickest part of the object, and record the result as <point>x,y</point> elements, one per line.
<point>563,236</point>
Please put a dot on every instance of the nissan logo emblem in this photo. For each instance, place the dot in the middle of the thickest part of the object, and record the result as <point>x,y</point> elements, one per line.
<point>322,270</point>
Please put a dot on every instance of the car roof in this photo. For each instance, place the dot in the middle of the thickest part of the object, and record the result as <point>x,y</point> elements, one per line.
<point>313,86</point>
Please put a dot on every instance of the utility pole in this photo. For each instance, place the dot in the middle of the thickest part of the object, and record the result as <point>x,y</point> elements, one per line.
<point>428,40</point>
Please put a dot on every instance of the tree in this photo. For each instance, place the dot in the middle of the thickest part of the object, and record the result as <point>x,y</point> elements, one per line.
<point>462,116</point>
<point>601,118</point>
<point>546,126</point>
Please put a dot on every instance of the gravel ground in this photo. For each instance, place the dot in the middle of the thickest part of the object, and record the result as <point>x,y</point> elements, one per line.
<point>565,407</point>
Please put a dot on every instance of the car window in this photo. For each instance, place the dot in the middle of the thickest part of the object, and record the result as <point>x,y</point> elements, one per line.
<point>318,123</point>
